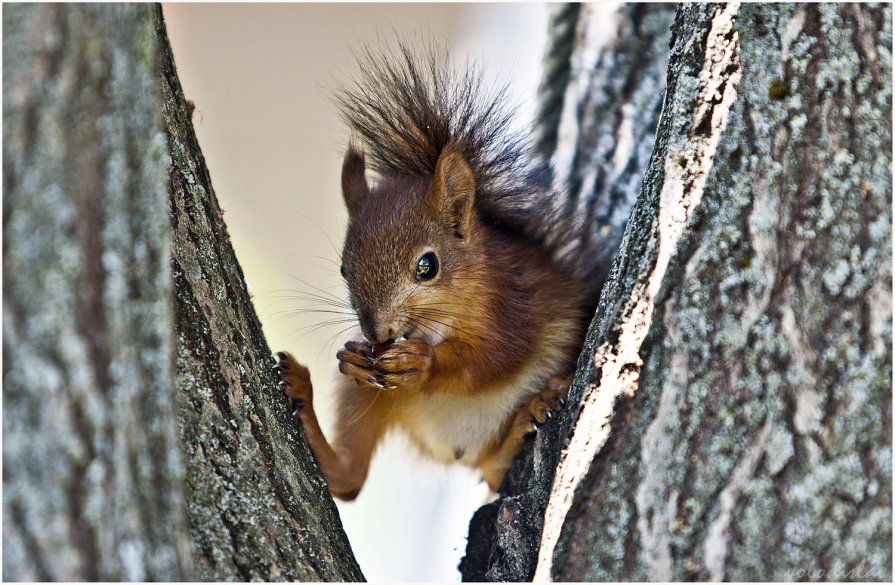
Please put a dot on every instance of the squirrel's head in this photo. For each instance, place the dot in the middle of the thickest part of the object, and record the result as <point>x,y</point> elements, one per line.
<point>408,255</point>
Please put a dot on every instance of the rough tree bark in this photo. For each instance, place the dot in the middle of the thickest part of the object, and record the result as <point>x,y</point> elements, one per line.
<point>104,353</point>
<point>756,441</point>
<point>599,104</point>
<point>92,473</point>
<point>731,415</point>
<point>733,402</point>
<point>259,508</point>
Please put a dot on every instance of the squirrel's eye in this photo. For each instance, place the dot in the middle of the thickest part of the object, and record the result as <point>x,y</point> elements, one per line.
<point>342,270</point>
<point>427,266</point>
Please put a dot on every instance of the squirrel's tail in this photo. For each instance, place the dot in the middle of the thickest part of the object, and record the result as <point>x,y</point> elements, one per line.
<point>406,106</point>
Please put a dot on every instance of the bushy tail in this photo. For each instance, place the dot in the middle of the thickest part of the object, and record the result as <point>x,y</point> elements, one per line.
<point>406,106</point>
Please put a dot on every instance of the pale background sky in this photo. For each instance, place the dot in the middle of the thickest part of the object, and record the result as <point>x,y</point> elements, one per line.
<point>262,79</point>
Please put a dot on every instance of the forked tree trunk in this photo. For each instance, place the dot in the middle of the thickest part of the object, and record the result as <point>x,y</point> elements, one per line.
<point>600,99</point>
<point>733,403</point>
<point>731,414</point>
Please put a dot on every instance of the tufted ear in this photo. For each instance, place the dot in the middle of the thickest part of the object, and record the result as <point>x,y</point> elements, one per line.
<point>452,192</point>
<point>354,183</point>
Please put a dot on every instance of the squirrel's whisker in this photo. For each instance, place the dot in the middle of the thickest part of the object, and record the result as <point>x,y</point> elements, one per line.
<point>312,327</point>
<point>318,290</point>
<point>285,295</point>
<point>427,321</point>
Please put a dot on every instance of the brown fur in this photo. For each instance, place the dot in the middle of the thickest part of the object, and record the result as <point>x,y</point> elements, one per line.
<point>499,314</point>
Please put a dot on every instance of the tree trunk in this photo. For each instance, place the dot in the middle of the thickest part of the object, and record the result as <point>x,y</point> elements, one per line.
<point>92,474</point>
<point>733,401</point>
<point>98,337</point>
<point>751,355</point>
<point>259,508</point>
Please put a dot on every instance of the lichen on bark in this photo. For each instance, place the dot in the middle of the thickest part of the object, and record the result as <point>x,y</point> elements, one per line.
<point>107,198</point>
<point>757,441</point>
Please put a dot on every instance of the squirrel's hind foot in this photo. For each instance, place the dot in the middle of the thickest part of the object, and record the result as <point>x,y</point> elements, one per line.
<point>540,407</point>
<point>532,414</point>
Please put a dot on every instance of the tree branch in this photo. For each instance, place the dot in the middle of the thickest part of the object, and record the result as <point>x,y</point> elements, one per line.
<point>98,339</point>
<point>731,414</point>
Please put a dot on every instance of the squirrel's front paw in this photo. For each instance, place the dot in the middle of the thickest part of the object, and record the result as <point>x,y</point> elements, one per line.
<point>356,360</point>
<point>296,381</point>
<point>406,364</point>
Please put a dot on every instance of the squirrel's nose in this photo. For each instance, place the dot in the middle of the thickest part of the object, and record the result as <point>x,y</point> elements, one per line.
<point>383,333</point>
<point>376,329</point>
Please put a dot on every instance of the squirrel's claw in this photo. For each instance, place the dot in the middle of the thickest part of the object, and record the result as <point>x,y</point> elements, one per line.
<point>406,364</point>
<point>363,376</point>
<point>541,407</point>
<point>354,353</point>
<point>375,383</point>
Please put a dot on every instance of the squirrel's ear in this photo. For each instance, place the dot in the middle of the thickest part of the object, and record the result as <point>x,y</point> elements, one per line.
<point>354,183</point>
<point>452,192</point>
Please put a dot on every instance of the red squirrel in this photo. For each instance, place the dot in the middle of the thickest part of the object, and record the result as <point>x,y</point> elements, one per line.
<point>471,315</point>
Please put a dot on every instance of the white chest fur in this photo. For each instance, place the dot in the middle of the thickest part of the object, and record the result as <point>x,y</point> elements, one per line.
<point>457,428</point>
